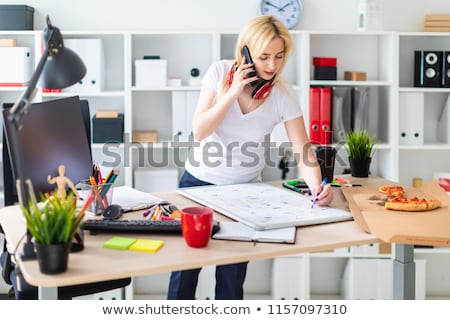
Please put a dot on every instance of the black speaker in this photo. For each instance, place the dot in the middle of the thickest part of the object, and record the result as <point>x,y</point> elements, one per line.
<point>427,68</point>
<point>446,69</point>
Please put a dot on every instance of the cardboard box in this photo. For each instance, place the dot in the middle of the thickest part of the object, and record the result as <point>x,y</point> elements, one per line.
<point>16,17</point>
<point>8,42</point>
<point>107,129</point>
<point>107,114</point>
<point>145,136</point>
<point>151,73</point>
<point>422,228</point>
<point>15,66</point>
<point>354,76</point>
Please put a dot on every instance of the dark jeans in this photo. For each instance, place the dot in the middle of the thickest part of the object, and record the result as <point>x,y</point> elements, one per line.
<point>229,278</point>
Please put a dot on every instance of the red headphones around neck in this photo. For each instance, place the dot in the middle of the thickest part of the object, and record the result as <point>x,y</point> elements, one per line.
<point>262,87</point>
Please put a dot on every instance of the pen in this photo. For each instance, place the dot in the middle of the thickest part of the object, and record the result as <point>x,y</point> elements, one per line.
<point>96,192</point>
<point>342,180</point>
<point>324,182</point>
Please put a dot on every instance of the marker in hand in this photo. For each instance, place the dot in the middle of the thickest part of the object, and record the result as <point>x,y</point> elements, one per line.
<point>322,185</point>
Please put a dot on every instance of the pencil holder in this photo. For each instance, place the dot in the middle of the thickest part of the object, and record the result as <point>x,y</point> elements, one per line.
<point>101,194</point>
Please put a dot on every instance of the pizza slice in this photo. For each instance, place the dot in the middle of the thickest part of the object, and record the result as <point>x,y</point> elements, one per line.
<point>392,191</point>
<point>397,200</point>
<point>412,204</point>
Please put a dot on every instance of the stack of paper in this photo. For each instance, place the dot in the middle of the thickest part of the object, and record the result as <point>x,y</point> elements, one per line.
<point>131,199</point>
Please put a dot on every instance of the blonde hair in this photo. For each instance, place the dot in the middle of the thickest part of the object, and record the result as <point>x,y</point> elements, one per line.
<point>256,35</point>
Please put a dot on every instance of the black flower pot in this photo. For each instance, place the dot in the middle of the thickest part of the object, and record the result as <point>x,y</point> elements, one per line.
<point>53,258</point>
<point>360,167</point>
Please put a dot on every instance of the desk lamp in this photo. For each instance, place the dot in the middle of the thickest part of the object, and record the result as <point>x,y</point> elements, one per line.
<point>59,67</point>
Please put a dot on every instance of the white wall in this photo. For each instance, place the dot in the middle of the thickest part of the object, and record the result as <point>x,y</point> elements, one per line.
<point>224,15</point>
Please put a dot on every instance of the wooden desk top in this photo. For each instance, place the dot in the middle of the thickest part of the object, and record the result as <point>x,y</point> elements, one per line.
<point>96,263</point>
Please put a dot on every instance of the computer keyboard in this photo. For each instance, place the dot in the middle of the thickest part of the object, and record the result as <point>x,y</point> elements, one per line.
<point>133,226</point>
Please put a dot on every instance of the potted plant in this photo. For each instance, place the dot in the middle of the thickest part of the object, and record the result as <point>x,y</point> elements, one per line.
<point>359,145</point>
<point>53,223</point>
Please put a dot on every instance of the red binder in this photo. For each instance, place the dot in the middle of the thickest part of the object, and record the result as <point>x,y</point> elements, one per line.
<point>325,116</point>
<point>314,115</point>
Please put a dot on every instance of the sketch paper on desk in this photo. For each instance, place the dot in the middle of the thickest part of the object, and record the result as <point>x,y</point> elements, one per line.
<point>131,199</point>
<point>263,206</point>
<point>231,230</point>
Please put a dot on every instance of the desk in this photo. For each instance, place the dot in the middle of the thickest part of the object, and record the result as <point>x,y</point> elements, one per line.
<point>95,263</point>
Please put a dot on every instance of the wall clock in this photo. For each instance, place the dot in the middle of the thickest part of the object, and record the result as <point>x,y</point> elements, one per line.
<point>288,11</point>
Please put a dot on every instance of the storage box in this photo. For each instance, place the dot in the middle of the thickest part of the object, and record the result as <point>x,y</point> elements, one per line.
<point>151,73</point>
<point>91,52</point>
<point>370,15</point>
<point>15,66</point>
<point>354,76</point>
<point>325,68</point>
<point>107,129</point>
<point>145,136</point>
<point>16,17</point>
<point>288,278</point>
<point>366,278</point>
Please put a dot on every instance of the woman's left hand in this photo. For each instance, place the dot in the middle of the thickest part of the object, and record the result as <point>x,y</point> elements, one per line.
<point>324,196</point>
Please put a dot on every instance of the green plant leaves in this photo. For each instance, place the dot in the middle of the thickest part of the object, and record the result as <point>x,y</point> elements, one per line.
<point>54,220</point>
<point>359,144</point>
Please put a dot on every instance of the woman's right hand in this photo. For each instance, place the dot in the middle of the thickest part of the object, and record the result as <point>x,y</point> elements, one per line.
<point>241,78</point>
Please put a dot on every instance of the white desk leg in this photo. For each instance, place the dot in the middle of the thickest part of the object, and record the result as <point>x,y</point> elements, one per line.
<point>50,293</point>
<point>404,272</point>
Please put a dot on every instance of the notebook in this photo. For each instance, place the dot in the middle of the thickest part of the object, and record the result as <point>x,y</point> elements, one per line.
<point>230,230</point>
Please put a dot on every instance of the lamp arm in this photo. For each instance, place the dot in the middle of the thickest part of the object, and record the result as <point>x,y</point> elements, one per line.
<point>16,114</point>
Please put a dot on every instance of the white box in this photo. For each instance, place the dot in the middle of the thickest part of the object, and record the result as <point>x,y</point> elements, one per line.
<point>444,123</point>
<point>151,73</point>
<point>155,179</point>
<point>91,52</point>
<point>15,66</point>
<point>412,115</point>
<point>289,278</point>
<point>370,15</point>
<point>367,278</point>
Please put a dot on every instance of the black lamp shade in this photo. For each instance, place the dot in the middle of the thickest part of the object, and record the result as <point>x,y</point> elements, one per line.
<point>62,70</point>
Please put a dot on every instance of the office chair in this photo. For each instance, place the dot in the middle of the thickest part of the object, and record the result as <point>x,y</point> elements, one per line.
<point>11,274</point>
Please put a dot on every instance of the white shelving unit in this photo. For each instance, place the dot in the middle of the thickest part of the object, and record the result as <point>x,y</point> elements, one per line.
<point>387,59</point>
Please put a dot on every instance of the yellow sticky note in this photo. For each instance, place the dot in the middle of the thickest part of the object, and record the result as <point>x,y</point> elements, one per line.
<point>146,245</point>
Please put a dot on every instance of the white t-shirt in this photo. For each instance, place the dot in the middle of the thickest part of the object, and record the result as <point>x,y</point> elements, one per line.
<point>234,152</point>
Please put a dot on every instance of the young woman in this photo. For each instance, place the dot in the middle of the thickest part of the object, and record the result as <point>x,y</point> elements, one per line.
<point>236,110</point>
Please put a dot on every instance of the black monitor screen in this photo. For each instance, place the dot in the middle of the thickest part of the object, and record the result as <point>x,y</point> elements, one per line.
<point>53,133</point>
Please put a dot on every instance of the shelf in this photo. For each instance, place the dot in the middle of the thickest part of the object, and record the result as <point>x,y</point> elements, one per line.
<point>432,146</point>
<point>84,94</point>
<point>346,83</point>
<point>170,89</point>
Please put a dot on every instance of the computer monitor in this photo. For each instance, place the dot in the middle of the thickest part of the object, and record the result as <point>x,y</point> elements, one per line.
<point>53,133</point>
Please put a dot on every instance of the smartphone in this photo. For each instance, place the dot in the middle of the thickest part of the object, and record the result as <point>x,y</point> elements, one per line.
<point>248,59</point>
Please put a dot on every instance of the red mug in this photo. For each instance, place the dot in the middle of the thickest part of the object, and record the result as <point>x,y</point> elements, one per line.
<point>196,225</point>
